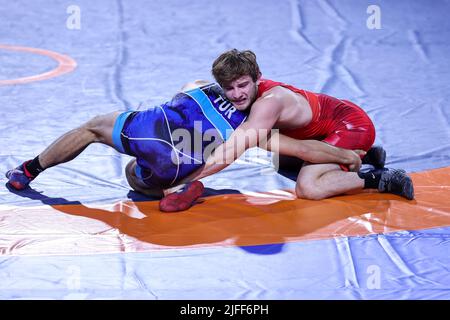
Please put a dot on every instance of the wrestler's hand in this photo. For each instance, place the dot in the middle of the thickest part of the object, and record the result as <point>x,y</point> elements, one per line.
<point>355,160</point>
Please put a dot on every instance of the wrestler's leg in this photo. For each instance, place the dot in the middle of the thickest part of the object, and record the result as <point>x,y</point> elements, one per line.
<point>320,181</point>
<point>135,182</point>
<point>376,155</point>
<point>138,185</point>
<point>71,144</point>
<point>179,197</point>
<point>67,147</point>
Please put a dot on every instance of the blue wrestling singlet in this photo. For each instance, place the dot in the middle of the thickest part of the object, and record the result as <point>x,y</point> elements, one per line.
<point>173,140</point>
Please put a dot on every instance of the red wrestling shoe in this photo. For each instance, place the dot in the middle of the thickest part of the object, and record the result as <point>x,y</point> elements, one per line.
<point>183,199</point>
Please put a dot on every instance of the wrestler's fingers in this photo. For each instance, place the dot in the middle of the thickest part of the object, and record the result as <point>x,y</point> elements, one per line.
<point>360,152</point>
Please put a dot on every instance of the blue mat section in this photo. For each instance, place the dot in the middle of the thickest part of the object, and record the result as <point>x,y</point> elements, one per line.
<point>141,52</point>
<point>394,266</point>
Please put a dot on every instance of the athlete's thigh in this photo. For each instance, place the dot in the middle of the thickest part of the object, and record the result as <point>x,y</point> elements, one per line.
<point>351,139</point>
<point>103,126</point>
<point>354,130</point>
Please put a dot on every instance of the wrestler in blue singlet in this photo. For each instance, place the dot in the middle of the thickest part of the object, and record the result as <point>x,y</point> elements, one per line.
<point>162,138</point>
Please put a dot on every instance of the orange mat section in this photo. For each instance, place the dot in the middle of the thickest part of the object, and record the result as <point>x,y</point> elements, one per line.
<point>237,220</point>
<point>65,65</point>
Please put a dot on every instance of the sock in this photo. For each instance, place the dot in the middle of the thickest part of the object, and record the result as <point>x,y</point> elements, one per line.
<point>34,167</point>
<point>371,178</point>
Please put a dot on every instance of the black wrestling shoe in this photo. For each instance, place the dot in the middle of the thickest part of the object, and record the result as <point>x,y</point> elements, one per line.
<point>396,181</point>
<point>376,156</point>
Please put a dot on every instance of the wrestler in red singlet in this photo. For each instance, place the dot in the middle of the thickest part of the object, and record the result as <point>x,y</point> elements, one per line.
<point>338,122</point>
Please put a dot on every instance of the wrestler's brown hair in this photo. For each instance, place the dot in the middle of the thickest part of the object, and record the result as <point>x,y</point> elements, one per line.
<point>234,64</point>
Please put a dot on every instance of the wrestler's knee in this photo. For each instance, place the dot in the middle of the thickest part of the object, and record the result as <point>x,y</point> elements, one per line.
<point>137,185</point>
<point>129,173</point>
<point>307,187</point>
<point>308,192</point>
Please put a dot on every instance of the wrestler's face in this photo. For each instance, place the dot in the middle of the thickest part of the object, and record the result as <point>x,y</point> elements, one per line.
<point>241,92</point>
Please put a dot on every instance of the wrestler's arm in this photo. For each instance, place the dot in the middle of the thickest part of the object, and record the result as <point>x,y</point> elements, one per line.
<point>313,151</point>
<point>263,116</point>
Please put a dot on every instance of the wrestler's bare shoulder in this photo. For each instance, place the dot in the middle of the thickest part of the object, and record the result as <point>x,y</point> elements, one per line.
<point>286,97</point>
<point>281,93</point>
<point>295,109</point>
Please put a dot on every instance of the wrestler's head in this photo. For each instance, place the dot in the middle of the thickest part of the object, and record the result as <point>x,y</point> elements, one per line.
<point>237,72</point>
